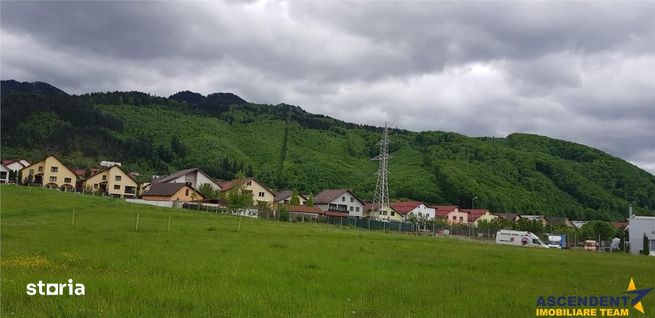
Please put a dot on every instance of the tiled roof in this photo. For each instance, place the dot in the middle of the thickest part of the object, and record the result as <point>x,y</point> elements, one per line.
<point>405,206</point>
<point>282,195</point>
<point>443,210</point>
<point>303,209</point>
<point>166,189</point>
<point>327,196</point>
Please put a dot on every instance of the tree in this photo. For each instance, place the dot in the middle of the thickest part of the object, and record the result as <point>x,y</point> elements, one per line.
<point>209,192</point>
<point>178,147</point>
<point>310,200</point>
<point>237,196</point>
<point>594,229</point>
<point>295,200</point>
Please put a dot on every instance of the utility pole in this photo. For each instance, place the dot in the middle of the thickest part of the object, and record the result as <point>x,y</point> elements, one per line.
<point>381,198</point>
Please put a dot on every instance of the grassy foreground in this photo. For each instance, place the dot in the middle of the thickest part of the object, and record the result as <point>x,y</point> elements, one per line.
<point>205,267</point>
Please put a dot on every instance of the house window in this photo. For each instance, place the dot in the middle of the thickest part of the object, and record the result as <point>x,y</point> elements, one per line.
<point>461,219</point>
<point>117,178</point>
<point>95,185</point>
<point>40,169</point>
<point>67,180</point>
<point>261,194</point>
<point>249,183</point>
<point>352,209</point>
<point>384,212</point>
<point>117,187</point>
<point>357,209</point>
<point>652,245</point>
<point>286,201</point>
<point>393,213</point>
<point>352,200</point>
<point>186,192</point>
<point>54,169</point>
<point>454,218</point>
<point>343,199</point>
<point>53,179</point>
<point>104,178</point>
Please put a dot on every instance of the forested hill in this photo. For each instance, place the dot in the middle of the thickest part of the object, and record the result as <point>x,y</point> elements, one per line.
<point>286,147</point>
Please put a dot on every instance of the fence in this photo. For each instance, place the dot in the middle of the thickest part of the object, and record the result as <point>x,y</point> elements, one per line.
<point>430,228</point>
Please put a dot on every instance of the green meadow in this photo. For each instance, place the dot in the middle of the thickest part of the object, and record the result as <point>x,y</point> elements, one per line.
<point>223,266</point>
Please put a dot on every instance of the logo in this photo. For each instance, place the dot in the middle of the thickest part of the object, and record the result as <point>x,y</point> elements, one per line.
<point>54,289</point>
<point>640,293</point>
<point>612,305</point>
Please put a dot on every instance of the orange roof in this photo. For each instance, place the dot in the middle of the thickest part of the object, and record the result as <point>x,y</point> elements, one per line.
<point>405,206</point>
<point>443,210</point>
<point>303,209</point>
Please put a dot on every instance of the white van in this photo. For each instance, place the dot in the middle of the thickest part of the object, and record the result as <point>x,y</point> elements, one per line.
<point>519,238</point>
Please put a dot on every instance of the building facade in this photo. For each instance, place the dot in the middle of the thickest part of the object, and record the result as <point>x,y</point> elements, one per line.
<point>640,226</point>
<point>339,200</point>
<point>113,181</point>
<point>49,173</point>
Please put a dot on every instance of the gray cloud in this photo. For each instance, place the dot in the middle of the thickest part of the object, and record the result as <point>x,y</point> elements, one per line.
<point>577,71</point>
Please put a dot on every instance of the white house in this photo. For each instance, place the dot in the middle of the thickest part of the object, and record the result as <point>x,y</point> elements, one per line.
<point>640,226</point>
<point>193,177</point>
<point>4,174</point>
<point>416,208</point>
<point>339,200</point>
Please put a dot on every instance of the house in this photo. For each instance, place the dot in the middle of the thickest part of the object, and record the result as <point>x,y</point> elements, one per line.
<point>284,197</point>
<point>16,164</point>
<point>451,214</point>
<point>478,215</point>
<point>404,209</point>
<point>339,200</point>
<point>641,226</point>
<point>113,181</point>
<point>193,177</point>
<point>51,173</point>
<point>556,220</point>
<point>259,191</point>
<point>511,217</point>
<point>172,192</point>
<point>534,218</point>
<point>4,174</point>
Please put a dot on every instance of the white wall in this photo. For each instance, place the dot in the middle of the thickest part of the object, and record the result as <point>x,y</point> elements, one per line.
<point>640,225</point>
<point>164,204</point>
<point>424,210</point>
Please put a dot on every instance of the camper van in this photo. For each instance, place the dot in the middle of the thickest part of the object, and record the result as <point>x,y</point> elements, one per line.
<point>519,238</point>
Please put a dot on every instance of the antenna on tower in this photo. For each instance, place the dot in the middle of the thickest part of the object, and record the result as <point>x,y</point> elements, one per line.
<point>381,198</point>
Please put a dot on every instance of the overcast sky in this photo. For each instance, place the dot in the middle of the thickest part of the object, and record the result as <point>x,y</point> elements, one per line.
<point>583,72</point>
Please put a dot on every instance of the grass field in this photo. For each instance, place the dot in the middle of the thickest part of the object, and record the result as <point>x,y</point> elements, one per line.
<point>204,266</point>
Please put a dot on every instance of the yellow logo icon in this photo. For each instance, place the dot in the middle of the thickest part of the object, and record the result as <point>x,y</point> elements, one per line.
<point>636,303</point>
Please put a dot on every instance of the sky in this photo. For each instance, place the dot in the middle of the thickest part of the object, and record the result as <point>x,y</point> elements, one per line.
<point>579,71</point>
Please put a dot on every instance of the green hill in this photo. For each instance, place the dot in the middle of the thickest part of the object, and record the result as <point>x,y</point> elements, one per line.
<point>286,147</point>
